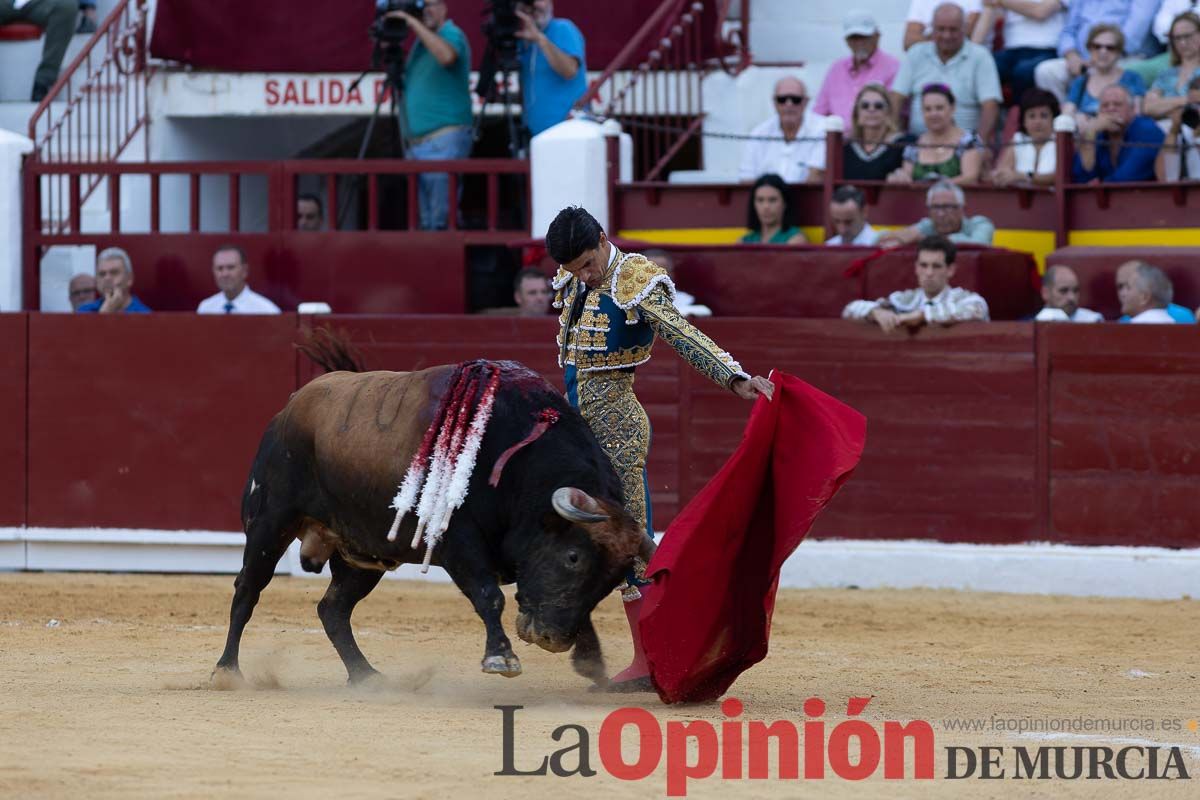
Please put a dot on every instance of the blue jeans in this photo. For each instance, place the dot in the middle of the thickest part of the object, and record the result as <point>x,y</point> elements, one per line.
<point>1016,67</point>
<point>433,193</point>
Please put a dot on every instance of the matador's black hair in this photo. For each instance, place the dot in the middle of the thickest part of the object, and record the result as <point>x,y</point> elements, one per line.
<point>572,233</point>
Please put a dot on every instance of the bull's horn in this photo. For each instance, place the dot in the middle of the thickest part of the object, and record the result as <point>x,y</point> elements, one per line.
<point>567,507</point>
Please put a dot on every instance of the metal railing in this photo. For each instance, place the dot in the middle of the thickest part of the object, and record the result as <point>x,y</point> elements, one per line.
<point>98,104</point>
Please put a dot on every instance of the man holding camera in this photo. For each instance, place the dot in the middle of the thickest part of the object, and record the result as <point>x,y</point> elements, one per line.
<point>437,101</point>
<point>553,67</point>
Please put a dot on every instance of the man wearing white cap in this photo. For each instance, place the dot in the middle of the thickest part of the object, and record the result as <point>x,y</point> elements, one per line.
<point>865,64</point>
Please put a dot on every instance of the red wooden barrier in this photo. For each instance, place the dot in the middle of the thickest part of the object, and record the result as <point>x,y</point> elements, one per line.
<point>14,352</point>
<point>1097,271</point>
<point>793,282</point>
<point>1000,432</point>
<point>1124,434</point>
<point>150,421</point>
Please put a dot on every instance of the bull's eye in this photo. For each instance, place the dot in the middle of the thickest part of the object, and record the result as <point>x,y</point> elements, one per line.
<point>572,558</point>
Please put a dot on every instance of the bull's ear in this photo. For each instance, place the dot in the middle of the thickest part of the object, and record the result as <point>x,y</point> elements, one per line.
<point>576,505</point>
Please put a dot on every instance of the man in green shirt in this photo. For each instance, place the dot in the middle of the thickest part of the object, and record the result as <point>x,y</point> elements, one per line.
<point>945,201</point>
<point>437,104</point>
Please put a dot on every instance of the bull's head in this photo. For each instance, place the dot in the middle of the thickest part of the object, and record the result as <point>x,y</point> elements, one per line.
<point>588,547</point>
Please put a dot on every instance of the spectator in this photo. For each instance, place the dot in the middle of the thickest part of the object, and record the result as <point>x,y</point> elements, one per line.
<point>1179,158</point>
<point>1169,94</point>
<point>865,66</point>
<point>1106,44</point>
<point>437,104</point>
<point>57,19</point>
<point>1131,17</point>
<point>685,303</point>
<point>770,217</point>
<point>1031,157</point>
<point>87,16</point>
<point>872,152</point>
<point>1147,287</point>
<point>1161,29</point>
<point>114,282</point>
<point>790,144</point>
<point>1117,145</point>
<point>848,215</point>
<point>944,150</point>
<point>934,302</point>
<point>309,213</point>
<point>1060,294</point>
<point>81,290</point>
<point>949,59</point>
<point>945,201</point>
<point>1145,293</point>
<point>1031,32</point>
<point>553,66</point>
<point>919,24</point>
<point>531,292</point>
<point>230,270</point>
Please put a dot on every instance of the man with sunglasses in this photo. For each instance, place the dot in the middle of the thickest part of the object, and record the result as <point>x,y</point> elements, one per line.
<point>1133,17</point>
<point>865,64</point>
<point>791,144</point>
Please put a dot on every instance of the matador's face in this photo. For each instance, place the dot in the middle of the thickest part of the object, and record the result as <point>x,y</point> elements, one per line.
<point>591,265</point>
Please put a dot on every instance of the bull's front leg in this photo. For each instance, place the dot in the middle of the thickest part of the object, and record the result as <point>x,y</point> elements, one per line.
<point>483,590</point>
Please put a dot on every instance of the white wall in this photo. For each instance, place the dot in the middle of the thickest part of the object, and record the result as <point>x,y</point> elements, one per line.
<point>13,148</point>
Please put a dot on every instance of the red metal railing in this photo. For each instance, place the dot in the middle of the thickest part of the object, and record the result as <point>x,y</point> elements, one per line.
<point>653,85</point>
<point>98,104</point>
<point>733,41</point>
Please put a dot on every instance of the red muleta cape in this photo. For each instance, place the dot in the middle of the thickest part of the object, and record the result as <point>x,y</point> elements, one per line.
<point>707,615</point>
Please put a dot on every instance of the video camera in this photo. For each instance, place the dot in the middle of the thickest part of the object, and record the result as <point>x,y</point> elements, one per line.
<point>391,31</point>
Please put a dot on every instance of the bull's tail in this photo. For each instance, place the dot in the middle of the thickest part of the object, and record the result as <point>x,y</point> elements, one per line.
<point>330,350</point>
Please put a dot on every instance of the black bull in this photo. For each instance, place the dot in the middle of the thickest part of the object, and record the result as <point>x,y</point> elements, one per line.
<point>329,465</point>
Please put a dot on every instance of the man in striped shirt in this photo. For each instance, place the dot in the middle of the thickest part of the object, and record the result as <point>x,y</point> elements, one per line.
<point>934,302</point>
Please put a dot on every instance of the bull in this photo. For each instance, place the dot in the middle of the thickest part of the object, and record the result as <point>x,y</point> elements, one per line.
<point>554,521</point>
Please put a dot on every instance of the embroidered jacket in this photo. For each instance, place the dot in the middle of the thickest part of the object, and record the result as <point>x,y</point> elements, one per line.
<point>613,328</point>
<point>950,306</point>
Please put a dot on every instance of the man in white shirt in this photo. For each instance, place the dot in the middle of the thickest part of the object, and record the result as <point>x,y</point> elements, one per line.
<point>934,302</point>
<point>918,25</point>
<point>1145,292</point>
<point>848,216</point>
<point>790,144</point>
<point>230,271</point>
<point>1060,293</point>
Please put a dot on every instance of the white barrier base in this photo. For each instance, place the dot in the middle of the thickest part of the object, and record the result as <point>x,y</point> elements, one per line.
<point>1038,568</point>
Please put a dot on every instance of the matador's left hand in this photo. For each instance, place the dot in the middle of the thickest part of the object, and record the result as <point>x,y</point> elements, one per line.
<point>750,389</point>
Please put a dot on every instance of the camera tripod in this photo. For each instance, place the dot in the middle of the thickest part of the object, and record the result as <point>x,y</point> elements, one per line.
<point>500,60</point>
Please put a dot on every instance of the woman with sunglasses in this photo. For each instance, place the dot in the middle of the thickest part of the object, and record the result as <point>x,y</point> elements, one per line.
<point>1168,96</point>
<point>944,150</point>
<point>872,153</point>
<point>770,217</point>
<point>1031,156</point>
<point>1106,45</point>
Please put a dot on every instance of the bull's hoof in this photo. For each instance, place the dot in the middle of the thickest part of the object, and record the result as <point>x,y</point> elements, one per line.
<point>226,679</point>
<point>366,676</point>
<point>508,666</point>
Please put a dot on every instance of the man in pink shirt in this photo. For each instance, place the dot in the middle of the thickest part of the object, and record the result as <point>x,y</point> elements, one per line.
<point>866,64</point>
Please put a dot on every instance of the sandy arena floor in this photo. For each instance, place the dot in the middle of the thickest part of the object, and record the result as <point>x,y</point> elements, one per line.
<point>114,698</point>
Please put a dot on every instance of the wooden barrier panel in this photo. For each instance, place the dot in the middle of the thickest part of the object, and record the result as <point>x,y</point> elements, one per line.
<point>1124,433</point>
<point>14,352</point>
<point>797,282</point>
<point>1097,271</point>
<point>150,421</point>
<point>951,423</point>
<point>998,432</point>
